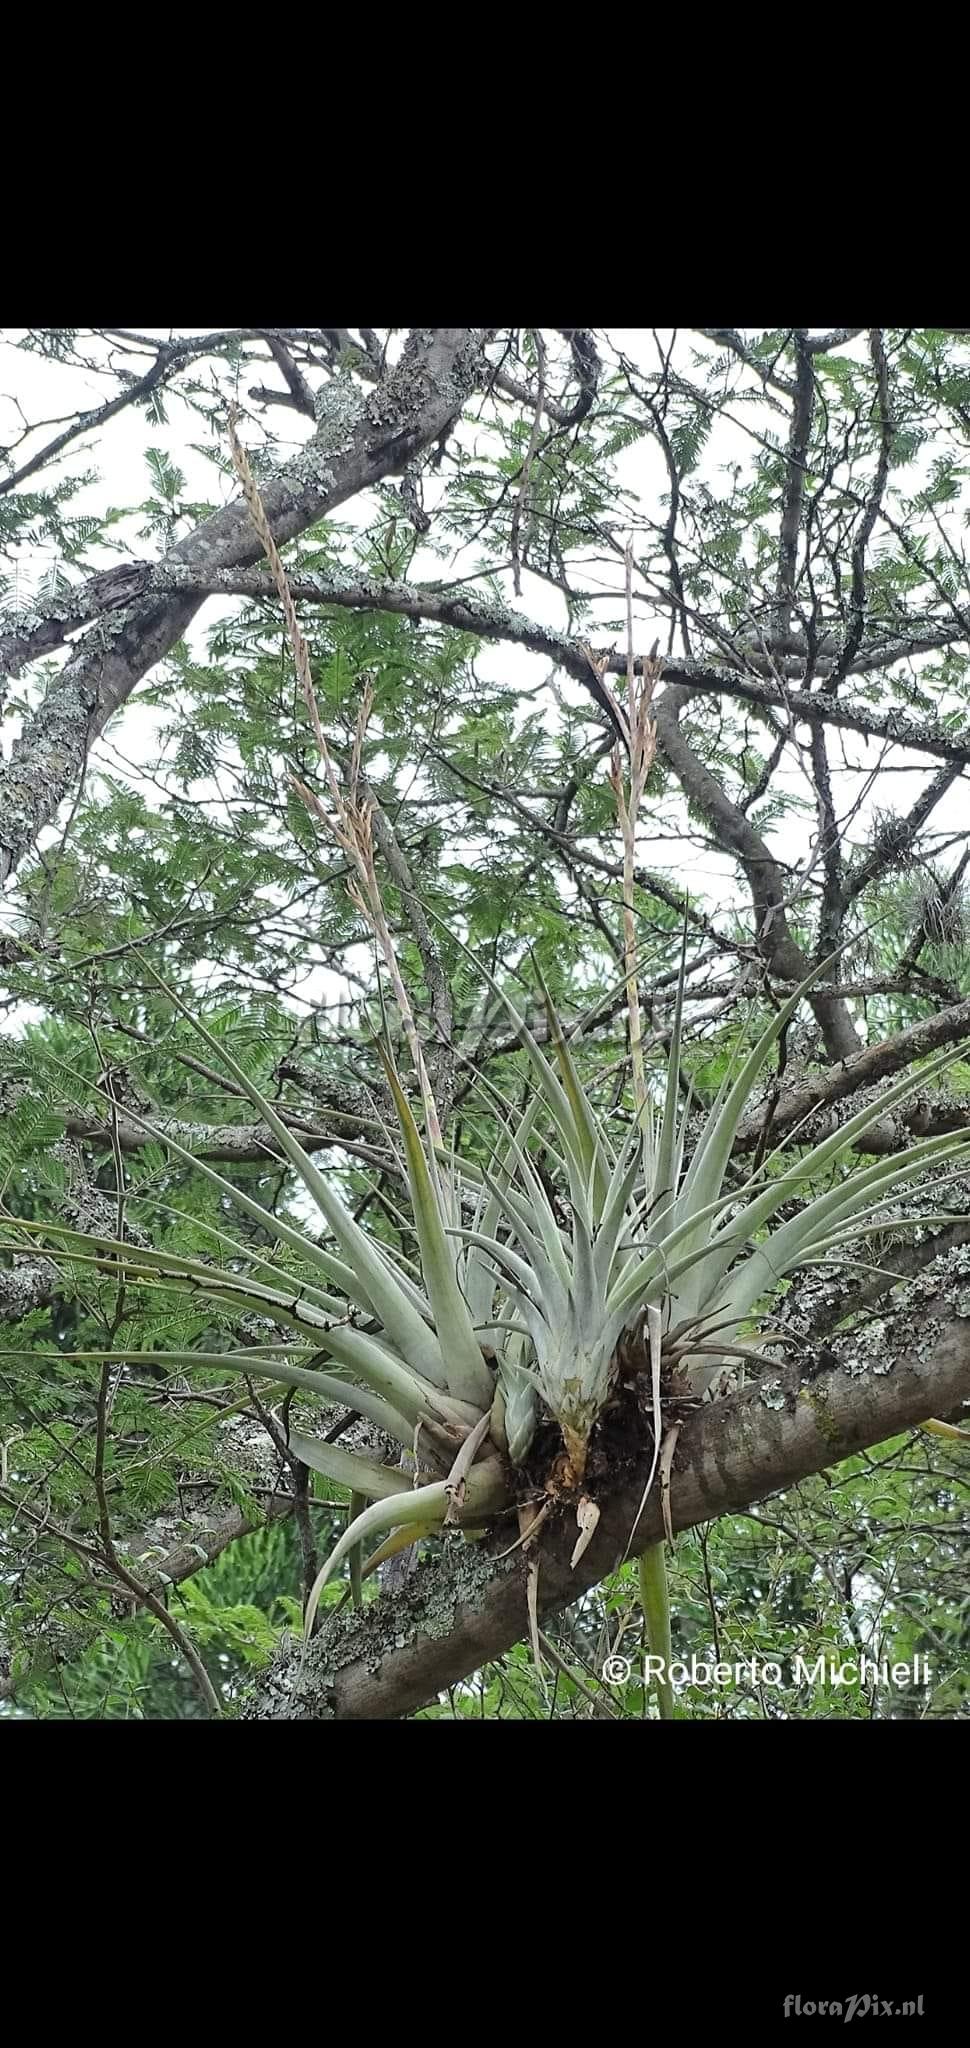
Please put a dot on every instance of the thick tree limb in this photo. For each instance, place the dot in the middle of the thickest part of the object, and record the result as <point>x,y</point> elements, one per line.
<point>239,1144</point>
<point>765,879</point>
<point>466,1608</point>
<point>472,612</point>
<point>358,441</point>
<point>872,1064</point>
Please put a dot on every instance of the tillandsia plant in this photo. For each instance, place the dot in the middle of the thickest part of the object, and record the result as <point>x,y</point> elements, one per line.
<point>588,1266</point>
<point>527,1305</point>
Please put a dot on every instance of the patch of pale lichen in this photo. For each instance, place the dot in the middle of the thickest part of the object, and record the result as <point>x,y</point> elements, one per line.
<point>300,1683</point>
<point>913,1324</point>
<point>339,408</point>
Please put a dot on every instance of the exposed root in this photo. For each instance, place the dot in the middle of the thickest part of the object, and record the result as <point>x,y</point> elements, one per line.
<point>587,1517</point>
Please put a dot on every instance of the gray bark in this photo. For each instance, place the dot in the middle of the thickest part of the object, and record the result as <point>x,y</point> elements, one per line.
<point>466,1607</point>
<point>358,440</point>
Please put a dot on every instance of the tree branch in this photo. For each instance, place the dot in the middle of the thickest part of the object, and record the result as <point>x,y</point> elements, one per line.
<point>466,1608</point>
<point>473,612</point>
<point>874,1063</point>
<point>735,832</point>
<point>358,441</point>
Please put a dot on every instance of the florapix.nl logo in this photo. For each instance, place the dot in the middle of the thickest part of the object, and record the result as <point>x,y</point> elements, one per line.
<point>860,2005</point>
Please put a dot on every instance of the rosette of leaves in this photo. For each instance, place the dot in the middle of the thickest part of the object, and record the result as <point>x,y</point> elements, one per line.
<point>529,1282</point>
